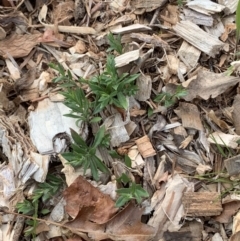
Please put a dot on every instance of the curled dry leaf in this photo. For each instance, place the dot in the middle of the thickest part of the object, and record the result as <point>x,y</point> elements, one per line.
<point>82,194</point>
<point>18,45</point>
<point>209,85</point>
<point>125,226</point>
<point>229,209</point>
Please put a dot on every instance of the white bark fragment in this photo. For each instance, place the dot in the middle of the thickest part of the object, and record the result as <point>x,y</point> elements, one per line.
<point>46,122</point>
<point>118,131</point>
<point>126,58</point>
<point>132,28</point>
<point>194,35</point>
<point>144,83</point>
<point>205,6</point>
<point>198,18</point>
<point>230,5</point>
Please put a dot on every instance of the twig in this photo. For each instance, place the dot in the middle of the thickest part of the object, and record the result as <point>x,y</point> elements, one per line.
<point>155,16</point>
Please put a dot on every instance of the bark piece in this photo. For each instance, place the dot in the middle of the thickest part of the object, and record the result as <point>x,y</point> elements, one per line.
<point>125,19</point>
<point>126,58</point>
<point>230,5</point>
<point>118,131</point>
<point>189,54</point>
<point>217,29</point>
<point>190,116</point>
<point>205,6</point>
<point>223,139</point>
<point>198,18</point>
<point>144,83</point>
<point>145,147</point>
<point>132,28</point>
<point>202,203</point>
<point>155,40</point>
<point>47,121</point>
<point>169,205</point>
<point>173,64</point>
<point>233,165</point>
<point>13,70</point>
<point>191,33</point>
<point>147,5</point>
<point>235,115</point>
<point>134,155</point>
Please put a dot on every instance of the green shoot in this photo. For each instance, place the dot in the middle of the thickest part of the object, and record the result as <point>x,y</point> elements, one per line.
<point>115,43</point>
<point>225,153</point>
<point>134,191</point>
<point>43,193</point>
<point>85,155</point>
<point>112,89</point>
<point>171,99</point>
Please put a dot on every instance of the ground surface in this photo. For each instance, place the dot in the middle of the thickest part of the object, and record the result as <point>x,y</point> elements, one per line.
<point>149,149</point>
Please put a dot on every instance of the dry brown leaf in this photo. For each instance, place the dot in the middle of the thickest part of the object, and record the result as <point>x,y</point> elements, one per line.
<point>124,226</point>
<point>127,226</point>
<point>209,85</point>
<point>190,116</point>
<point>135,112</point>
<point>222,124</point>
<point>229,209</point>
<point>18,45</point>
<point>82,194</point>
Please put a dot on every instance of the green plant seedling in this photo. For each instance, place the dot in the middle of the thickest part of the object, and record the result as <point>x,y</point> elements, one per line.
<point>134,191</point>
<point>85,155</point>
<point>75,99</point>
<point>81,107</point>
<point>112,89</point>
<point>115,43</point>
<point>65,79</point>
<point>43,192</point>
<point>171,99</point>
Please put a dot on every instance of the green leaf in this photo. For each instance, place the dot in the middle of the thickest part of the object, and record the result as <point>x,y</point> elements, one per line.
<point>94,171</point>
<point>122,100</point>
<point>100,165</point>
<point>25,207</point>
<point>77,139</point>
<point>121,201</point>
<point>115,43</point>
<point>114,154</point>
<point>124,179</point>
<point>98,137</point>
<point>72,115</point>
<point>95,119</point>
<point>169,102</point>
<point>45,211</point>
<point>159,97</point>
<point>180,92</point>
<point>141,192</point>
<point>125,191</point>
<point>150,112</point>
<point>127,161</point>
